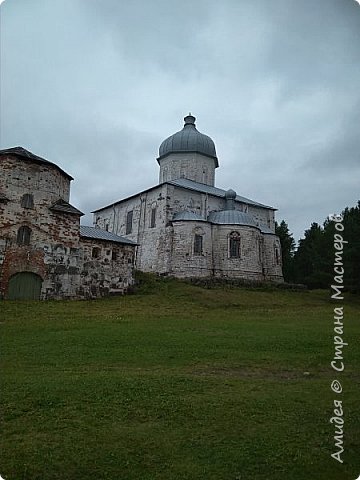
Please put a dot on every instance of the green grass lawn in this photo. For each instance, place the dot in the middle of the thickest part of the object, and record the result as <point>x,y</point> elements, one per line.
<point>177,382</point>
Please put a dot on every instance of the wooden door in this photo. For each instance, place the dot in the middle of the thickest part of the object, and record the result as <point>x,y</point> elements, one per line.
<point>24,286</point>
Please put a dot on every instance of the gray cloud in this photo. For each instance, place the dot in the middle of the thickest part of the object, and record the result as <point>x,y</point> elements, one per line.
<point>96,85</point>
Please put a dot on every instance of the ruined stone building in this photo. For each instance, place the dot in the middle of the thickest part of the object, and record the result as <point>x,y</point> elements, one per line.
<point>44,252</point>
<point>187,227</point>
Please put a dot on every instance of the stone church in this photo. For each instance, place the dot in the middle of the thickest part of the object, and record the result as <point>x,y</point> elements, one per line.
<point>187,227</point>
<point>44,252</point>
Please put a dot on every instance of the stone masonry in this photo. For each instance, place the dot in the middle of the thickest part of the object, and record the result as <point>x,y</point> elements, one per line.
<point>187,227</point>
<point>42,242</point>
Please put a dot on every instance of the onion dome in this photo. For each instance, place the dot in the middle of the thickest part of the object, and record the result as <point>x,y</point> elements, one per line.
<point>230,194</point>
<point>189,139</point>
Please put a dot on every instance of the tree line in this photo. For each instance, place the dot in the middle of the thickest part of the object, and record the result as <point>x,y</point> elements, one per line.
<point>312,263</point>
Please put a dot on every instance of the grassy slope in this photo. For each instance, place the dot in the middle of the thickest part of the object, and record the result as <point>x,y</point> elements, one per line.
<point>177,382</point>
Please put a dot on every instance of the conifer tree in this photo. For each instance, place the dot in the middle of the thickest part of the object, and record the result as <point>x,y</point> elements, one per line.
<point>287,248</point>
<point>313,262</point>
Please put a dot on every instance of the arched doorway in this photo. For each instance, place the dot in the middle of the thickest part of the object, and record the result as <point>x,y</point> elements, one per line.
<point>24,286</point>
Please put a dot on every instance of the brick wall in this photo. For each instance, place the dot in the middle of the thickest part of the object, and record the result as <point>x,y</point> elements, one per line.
<point>55,252</point>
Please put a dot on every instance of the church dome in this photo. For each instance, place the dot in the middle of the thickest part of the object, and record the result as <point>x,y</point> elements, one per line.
<point>230,194</point>
<point>189,139</point>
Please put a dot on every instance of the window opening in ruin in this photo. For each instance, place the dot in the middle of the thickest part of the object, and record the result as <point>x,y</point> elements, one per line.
<point>198,245</point>
<point>27,201</point>
<point>153,218</point>
<point>23,236</point>
<point>277,256</point>
<point>129,221</point>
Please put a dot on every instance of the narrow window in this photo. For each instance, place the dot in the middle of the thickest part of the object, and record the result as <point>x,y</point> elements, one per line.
<point>23,236</point>
<point>153,218</point>
<point>114,255</point>
<point>27,201</point>
<point>234,245</point>
<point>129,220</point>
<point>277,256</point>
<point>165,174</point>
<point>107,227</point>
<point>183,171</point>
<point>198,245</point>
<point>95,252</point>
<point>204,175</point>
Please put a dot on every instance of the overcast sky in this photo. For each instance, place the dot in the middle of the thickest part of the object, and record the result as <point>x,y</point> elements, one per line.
<point>96,85</point>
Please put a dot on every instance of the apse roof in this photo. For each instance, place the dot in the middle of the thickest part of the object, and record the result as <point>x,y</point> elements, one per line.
<point>266,230</point>
<point>232,217</point>
<point>187,216</point>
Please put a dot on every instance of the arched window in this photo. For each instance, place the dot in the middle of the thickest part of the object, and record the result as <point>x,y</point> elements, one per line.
<point>27,201</point>
<point>234,245</point>
<point>23,235</point>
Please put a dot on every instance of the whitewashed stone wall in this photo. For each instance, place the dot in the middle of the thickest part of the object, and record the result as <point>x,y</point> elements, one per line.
<point>194,166</point>
<point>154,243</point>
<point>263,216</point>
<point>272,258</point>
<point>168,247</point>
<point>249,263</point>
<point>185,262</point>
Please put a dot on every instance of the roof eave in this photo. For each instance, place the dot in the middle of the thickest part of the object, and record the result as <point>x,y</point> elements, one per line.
<point>129,243</point>
<point>34,158</point>
<point>189,151</point>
